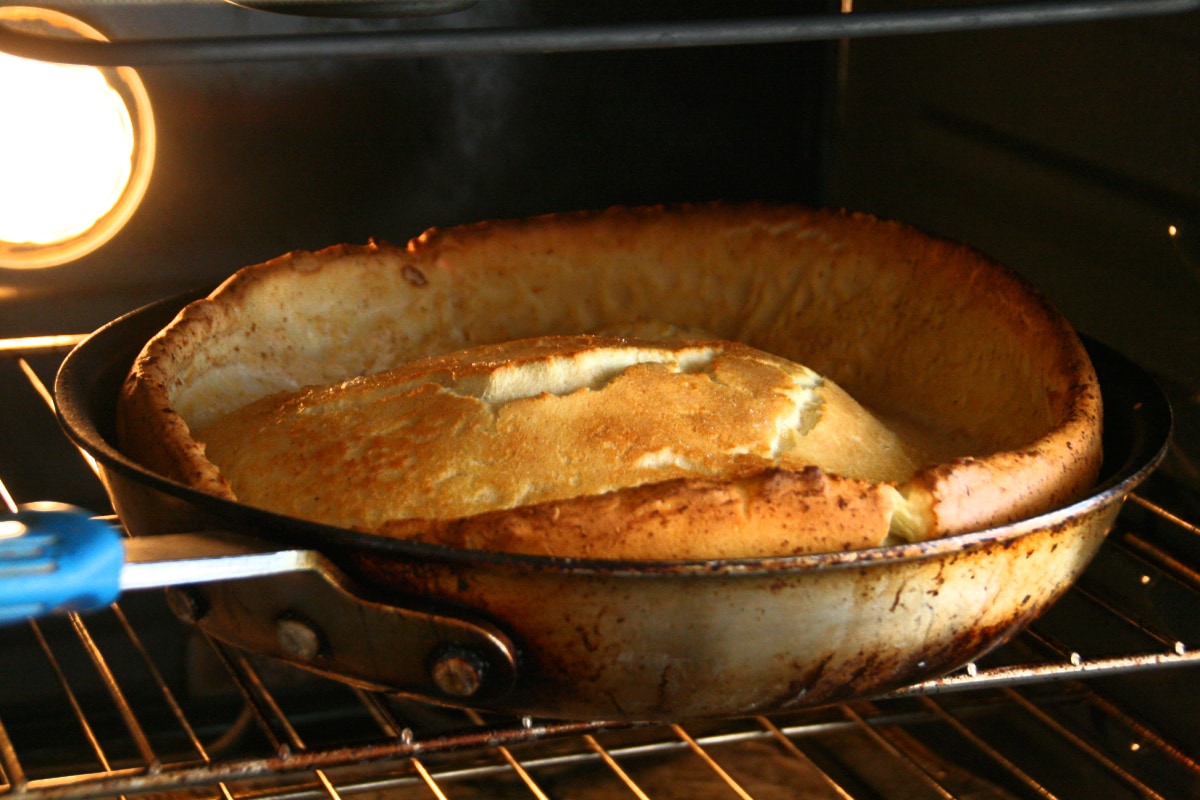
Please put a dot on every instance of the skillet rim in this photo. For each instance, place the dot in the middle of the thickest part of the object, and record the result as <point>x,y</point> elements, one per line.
<point>1147,416</point>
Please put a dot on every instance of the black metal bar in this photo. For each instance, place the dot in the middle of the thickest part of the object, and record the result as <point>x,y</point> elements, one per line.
<point>394,43</point>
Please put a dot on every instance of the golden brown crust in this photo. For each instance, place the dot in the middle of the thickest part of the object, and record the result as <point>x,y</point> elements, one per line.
<point>772,513</point>
<point>542,421</point>
<point>932,336</point>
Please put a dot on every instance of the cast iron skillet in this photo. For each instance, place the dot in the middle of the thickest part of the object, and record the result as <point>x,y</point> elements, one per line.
<point>628,640</point>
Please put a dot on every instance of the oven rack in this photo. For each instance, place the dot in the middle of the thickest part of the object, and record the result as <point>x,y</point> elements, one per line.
<point>999,728</point>
<point>385,40</point>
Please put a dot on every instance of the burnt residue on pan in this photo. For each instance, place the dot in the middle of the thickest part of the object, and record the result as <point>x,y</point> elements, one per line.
<point>683,641</point>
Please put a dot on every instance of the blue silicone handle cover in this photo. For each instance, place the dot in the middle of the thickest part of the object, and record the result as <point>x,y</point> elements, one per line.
<point>57,559</point>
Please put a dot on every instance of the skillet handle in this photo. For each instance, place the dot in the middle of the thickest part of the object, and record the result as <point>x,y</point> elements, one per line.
<point>56,558</point>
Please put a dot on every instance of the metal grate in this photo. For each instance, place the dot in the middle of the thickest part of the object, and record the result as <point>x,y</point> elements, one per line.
<point>129,701</point>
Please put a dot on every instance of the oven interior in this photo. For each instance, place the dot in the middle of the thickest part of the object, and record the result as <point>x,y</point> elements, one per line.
<point>1062,142</point>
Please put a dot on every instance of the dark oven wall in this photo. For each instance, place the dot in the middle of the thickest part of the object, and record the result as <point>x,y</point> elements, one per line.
<point>255,159</point>
<point>1070,152</point>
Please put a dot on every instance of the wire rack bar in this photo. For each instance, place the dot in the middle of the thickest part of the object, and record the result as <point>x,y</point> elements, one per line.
<point>609,761</point>
<point>14,774</point>
<point>984,747</point>
<point>513,763</point>
<point>1165,514</point>
<point>1113,710</point>
<point>30,345</point>
<point>69,693</point>
<point>400,43</point>
<point>168,695</point>
<point>1142,626</point>
<point>876,720</point>
<point>878,735</point>
<point>790,746</point>
<point>1081,744</point>
<point>1075,667</point>
<point>676,739</point>
<point>113,687</point>
<point>264,703</point>
<point>10,504</point>
<point>710,762</point>
<point>391,728</point>
<point>156,676</point>
<point>1143,733</point>
<point>1163,560</point>
<point>287,761</point>
<point>136,782</point>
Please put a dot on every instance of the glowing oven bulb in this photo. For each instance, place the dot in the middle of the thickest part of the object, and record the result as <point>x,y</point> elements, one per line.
<point>76,148</point>
<point>66,153</point>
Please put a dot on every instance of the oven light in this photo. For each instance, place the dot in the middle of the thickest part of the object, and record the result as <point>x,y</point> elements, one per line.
<point>67,150</point>
<point>76,149</point>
